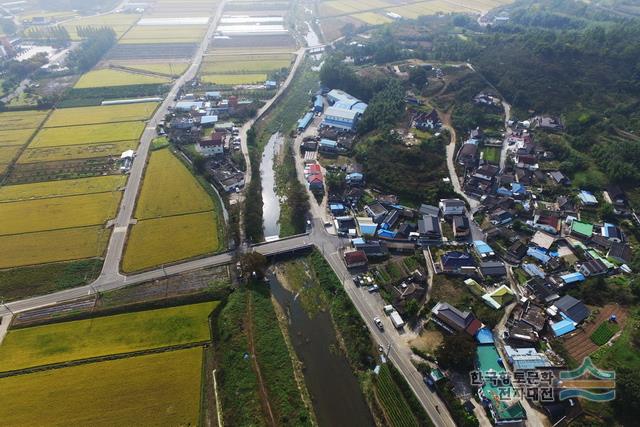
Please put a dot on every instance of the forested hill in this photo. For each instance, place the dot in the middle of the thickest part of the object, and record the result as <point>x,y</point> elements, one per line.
<point>556,71</point>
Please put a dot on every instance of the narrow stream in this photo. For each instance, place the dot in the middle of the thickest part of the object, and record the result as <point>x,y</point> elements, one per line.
<point>335,392</point>
<point>270,201</point>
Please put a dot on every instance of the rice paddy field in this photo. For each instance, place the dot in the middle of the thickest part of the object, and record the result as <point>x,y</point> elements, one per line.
<point>243,67</point>
<point>21,120</point>
<point>67,244</point>
<point>101,114</point>
<point>108,78</point>
<point>76,152</point>
<point>15,136</point>
<point>70,187</point>
<point>164,34</point>
<point>172,68</point>
<point>8,153</point>
<point>87,134</point>
<point>156,389</point>
<point>170,189</point>
<point>58,212</point>
<point>116,334</point>
<point>154,242</point>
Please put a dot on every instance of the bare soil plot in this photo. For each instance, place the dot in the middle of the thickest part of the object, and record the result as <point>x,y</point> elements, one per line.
<point>579,344</point>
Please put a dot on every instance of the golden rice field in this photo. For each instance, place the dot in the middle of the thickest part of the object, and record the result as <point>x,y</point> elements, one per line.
<point>168,68</point>
<point>155,242</point>
<point>108,78</point>
<point>15,136</point>
<point>156,389</point>
<point>69,187</point>
<point>21,120</point>
<point>164,34</point>
<point>52,246</point>
<point>87,134</point>
<point>3,167</point>
<point>101,336</point>
<point>373,11</point>
<point>100,114</point>
<point>234,79</point>
<point>75,152</point>
<point>120,22</point>
<point>8,153</point>
<point>56,213</point>
<point>372,18</point>
<point>169,189</point>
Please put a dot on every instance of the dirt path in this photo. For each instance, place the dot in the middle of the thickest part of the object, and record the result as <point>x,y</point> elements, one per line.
<point>264,396</point>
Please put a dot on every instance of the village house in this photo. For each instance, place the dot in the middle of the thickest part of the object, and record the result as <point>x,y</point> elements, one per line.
<point>453,320</point>
<point>213,146</point>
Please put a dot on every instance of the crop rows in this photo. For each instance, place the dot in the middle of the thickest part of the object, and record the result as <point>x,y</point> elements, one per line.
<point>395,406</point>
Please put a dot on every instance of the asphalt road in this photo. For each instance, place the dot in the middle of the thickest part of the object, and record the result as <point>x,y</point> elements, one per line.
<point>111,267</point>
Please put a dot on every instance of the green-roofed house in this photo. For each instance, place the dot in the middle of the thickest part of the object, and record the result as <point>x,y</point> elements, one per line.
<point>581,230</point>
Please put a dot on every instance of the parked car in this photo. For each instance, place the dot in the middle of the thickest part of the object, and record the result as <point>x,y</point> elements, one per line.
<point>374,288</point>
<point>378,323</point>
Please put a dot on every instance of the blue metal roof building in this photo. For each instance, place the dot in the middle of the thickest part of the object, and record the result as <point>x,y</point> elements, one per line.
<point>340,118</point>
<point>318,104</point>
<point>539,254</point>
<point>304,122</point>
<point>563,327</point>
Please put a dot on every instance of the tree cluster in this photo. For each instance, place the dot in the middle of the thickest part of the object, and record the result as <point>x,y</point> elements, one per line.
<point>98,41</point>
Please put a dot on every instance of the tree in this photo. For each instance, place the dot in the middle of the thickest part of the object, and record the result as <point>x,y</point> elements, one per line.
<point>457,352</point>
<point>412,308</point>
<point>418,76</point>
<point>627,400</point>
<point>253,264</point>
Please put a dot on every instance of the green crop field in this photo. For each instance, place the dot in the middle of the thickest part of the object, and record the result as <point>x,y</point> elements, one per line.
<point>89,134</point>
<point>15,136</point>
<point>240,66</point>
<point>71,152</point>
<point>108,78</point>
<point>604,332</point>
<point>156,389</point>
<point>155,242</point>
<point>170,189</point>
<point>52,246</point>
<point>21,120</point>
<point>372,18</point>
<point>100,114</point>
<point>122,333</point>
<point>55,213</point>
<point>396,408</point>
<point>491,154</point>
<point>68,187</point>
<point>234,79</point>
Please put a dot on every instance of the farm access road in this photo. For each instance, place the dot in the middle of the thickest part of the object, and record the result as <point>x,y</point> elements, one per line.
<point>111,267</point>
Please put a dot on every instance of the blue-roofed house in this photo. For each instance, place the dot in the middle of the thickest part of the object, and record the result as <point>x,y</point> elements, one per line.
<point>318,104</point>
<point>587,198</point>
<point>562,327</point>
<point>483,249</point>
<point>484,336</point>
<point>387,234</point>
<point>539,254</point>
<point>337,208</point>
<point>572,278</point>
<point>533,270</point>
<point>368,229</point>
<point>354,178</point>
